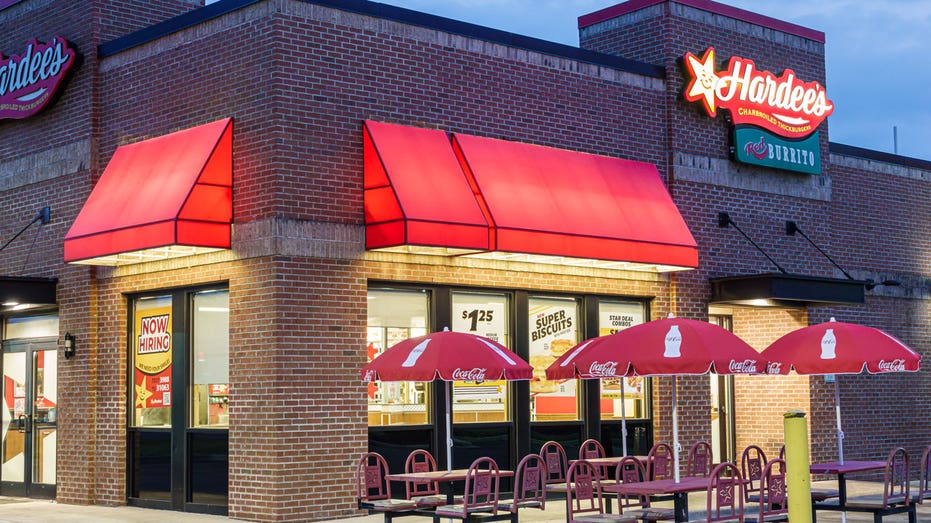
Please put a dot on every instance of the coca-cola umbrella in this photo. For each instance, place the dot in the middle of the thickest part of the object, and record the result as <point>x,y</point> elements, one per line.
<point>448,356</point>
<point>835,347</point>
<point>666,347</point>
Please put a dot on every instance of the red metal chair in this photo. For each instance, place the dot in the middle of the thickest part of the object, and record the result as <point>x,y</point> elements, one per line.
<point>895,498</point>
<point>557,465</point>
<point>921,489</point>
<point>529,485</point>
<point>592,448</point>
<point>373,490</point>
<point>725,495</point>
<point>773,503</point>
<point>752,462</point>
<point>699,460</point>
<point>482,487</point>
<point>660,461</point>
<point>424,493</point>
<point>584,500</point>
<point>632,470</point>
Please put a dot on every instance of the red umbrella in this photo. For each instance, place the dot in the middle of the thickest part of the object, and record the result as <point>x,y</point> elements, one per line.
<point>835,347</point>
<point>448,356</point>
<point>667,347</point>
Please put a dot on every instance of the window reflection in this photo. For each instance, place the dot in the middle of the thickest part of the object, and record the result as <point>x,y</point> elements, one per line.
<point>211,354</point>
<point>394,316</point>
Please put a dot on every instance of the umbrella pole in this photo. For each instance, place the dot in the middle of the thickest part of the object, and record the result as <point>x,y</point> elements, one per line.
<point>840,432</point>
<point>675,430</point>
<point>623,422</point>
<point>449,426</point>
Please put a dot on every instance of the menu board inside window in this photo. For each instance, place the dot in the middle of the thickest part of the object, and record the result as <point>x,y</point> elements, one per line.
<point>485,315</point>
<point>554,329</point>
<point>394,316</point>
<point>616,399</point>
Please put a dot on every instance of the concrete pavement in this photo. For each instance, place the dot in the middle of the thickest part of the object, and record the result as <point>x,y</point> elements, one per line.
<point>21,510</point>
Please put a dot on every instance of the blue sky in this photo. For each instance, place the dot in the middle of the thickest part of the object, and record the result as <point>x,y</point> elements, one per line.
<point>878,63</point>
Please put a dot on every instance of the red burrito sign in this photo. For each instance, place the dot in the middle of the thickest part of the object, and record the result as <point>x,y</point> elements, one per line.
<point>782,104</point>
<point>29,81</point>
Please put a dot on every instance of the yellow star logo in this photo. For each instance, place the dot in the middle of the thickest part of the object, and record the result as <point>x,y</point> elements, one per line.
<point>704,80</point>
<point>142,394</point>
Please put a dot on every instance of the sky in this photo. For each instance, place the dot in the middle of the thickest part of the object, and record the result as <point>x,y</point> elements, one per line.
<point>878,55</point>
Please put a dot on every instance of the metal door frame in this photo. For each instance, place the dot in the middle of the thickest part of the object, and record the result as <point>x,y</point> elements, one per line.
<point>28,487</point>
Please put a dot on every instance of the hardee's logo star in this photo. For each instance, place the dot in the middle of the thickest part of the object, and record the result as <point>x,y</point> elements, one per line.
<point>704,79</point>
<point>142,394</point>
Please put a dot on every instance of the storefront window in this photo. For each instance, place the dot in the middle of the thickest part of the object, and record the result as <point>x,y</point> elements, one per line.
<point>30,326</point>
<point>152,346</point>
<point>614,317</point>
<point>554,329</point>
<point>211,353</point>
<point>394,316</point>
<point>485,315</point>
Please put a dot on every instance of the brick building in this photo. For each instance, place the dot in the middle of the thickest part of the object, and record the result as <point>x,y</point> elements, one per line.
<point>263,138</point>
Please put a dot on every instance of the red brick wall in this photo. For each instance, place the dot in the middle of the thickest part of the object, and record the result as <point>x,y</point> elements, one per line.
<point>298,81</point>
<point>866,215</point>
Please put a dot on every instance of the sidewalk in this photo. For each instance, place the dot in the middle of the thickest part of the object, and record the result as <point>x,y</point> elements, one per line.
<point>21,510</point>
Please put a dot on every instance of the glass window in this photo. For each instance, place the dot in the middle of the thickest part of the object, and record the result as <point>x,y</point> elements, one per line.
<point>485,315</point>
<point>211,353</point>
<point>614,317</point>
<point>151,355</point>
<point>30,326</point>
<point>394,316</point>
<point>554,329</point>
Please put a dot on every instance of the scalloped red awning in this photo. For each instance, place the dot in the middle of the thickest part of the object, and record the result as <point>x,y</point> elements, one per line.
<point>510,197</point>
<point>157,198</point>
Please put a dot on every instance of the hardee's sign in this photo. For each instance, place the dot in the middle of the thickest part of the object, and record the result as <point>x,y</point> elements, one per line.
<point>783,105</point>
<point>29,81</point>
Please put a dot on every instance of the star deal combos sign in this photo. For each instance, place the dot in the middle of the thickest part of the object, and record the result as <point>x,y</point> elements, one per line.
<point>153,359</point>
<point>775,117</point>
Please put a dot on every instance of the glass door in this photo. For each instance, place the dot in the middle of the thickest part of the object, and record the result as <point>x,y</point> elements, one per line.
<point>723,430</point>
<point>29,428</point>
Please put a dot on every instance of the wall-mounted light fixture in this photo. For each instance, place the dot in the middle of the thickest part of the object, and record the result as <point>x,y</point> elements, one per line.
<point>69,345</point>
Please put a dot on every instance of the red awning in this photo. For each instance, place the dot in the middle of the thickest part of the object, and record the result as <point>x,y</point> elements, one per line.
<point>172,194</point>
<point>416,194</point>
<point>563,203</point>
<point>492,196</point>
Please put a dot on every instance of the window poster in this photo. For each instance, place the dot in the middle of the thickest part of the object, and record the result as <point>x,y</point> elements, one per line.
<point>483,315</point>
<point>152,359</point>
<point>614,317</point>
<point>553,331</point>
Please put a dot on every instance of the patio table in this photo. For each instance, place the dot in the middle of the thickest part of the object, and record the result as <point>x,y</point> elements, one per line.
<point>442,476</point>
<point>660,487</point>
<point>841,471</point>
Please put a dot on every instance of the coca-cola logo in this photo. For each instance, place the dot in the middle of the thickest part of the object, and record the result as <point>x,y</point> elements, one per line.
<point>774,367</point>
<point>29,81</point>
<point>892,366</point>
<point>606,369</point>
<point>742,367</point>
<point>782,104</point>
<point>476,374</point>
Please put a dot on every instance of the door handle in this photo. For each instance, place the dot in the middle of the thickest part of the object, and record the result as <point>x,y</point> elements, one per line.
<point>23,423</point>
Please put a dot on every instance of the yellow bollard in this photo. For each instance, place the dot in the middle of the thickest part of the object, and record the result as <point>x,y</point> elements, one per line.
<point>798,477</point>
